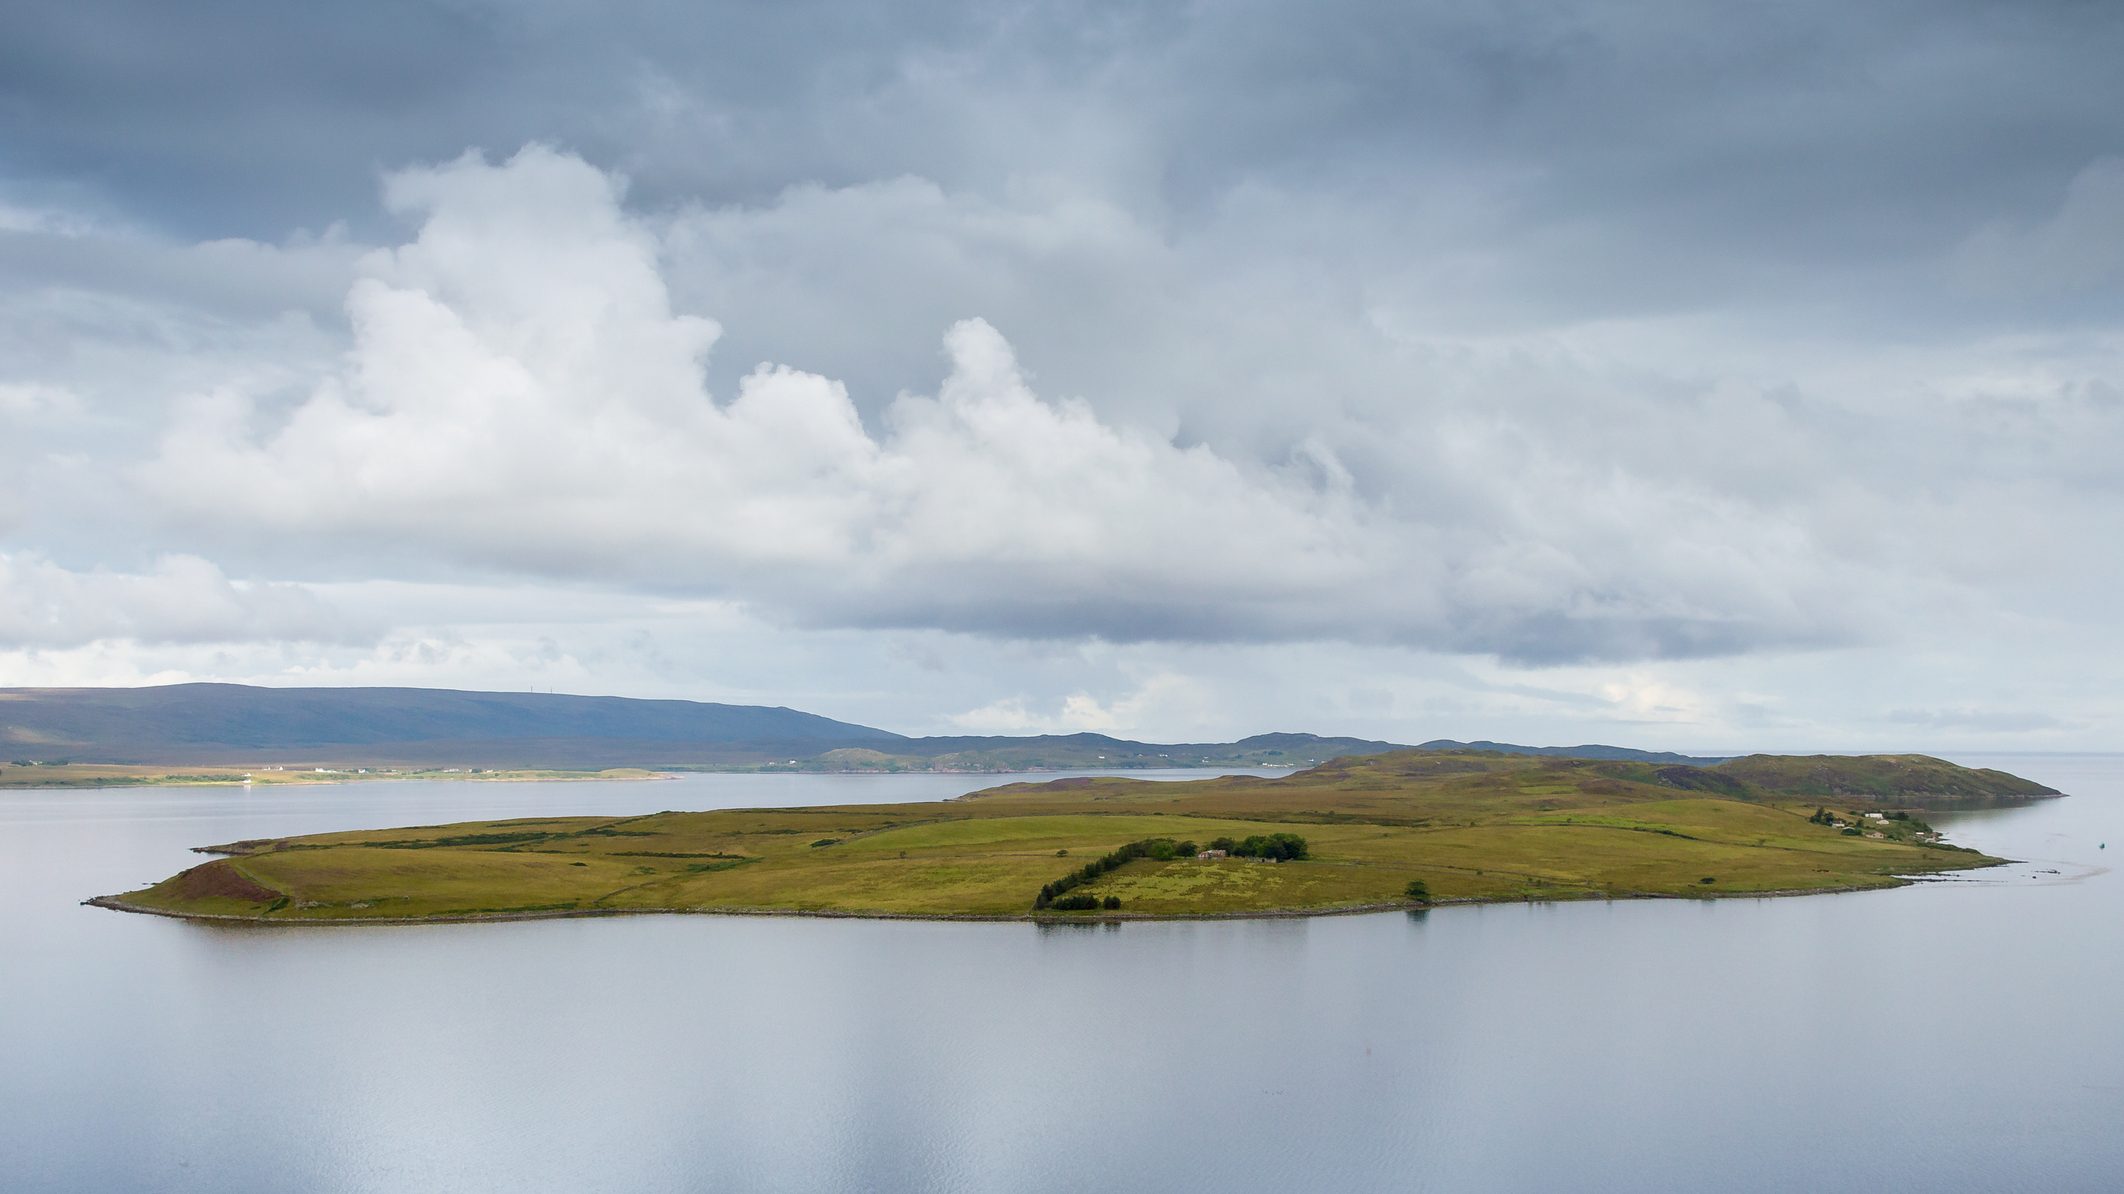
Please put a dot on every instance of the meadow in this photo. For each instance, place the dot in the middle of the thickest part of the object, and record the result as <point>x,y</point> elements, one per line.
<point>1463,827</point>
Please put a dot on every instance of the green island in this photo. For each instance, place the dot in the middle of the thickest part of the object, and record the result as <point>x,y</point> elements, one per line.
<point>1404,829</point>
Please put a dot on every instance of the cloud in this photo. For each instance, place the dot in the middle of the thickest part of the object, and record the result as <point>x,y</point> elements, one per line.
<point>2077,248</point>
<point>27,404</point>
<point>1977,720</point>
<point>184,600</point>
<point>521,392</point>
<point>1829,130</point>
<point>1632,332</point>
<point>521,396</point>
<point>1638,697</point>
<point>1178,702</point>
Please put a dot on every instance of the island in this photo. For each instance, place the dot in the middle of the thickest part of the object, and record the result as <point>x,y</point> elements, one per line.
<point>1403,829</point>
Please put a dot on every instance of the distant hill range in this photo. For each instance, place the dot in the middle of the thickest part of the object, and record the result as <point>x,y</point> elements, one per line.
<point>240,725</point>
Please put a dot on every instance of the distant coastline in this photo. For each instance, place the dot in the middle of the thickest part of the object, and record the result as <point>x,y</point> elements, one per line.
<point>188,728</point>
<point>118,904</point>
<point>91,776</point>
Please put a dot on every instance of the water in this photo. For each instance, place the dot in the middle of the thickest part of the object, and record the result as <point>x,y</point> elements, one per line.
<point>1949,1036</point>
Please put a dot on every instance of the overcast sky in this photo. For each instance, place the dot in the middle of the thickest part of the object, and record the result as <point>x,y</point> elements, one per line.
<point>1683,376</point>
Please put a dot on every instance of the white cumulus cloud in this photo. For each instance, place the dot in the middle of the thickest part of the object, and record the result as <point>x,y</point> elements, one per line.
<point>522,397</point>
<point>183,600</point>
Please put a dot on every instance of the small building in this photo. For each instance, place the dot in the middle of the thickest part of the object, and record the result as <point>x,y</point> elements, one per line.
<point>1207,855</point>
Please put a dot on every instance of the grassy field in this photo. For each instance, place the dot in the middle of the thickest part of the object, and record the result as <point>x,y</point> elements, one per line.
<point>1468,827</point>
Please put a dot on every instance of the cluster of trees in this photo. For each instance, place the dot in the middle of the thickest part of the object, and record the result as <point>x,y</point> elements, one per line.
<point>1278,846</point>
<point>1823,816</point>
<point>1084,902</point>
<point>1055,896</point>
<point>1160,849</point>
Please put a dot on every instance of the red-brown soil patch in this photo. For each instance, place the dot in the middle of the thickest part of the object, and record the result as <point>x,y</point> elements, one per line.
<point>220,879</point>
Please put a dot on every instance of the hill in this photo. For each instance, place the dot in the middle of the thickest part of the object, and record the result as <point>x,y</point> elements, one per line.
<point>234,723</point>
<point>1400,829</point>
<point>1587,751</point>
<point>239,726</point>
<point>1906,781</point>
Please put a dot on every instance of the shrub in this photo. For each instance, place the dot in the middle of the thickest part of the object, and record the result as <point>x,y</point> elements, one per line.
<point>1276,846</point>
<point>1113,902</point>
<point>1418,891</point>
<point>1160,848</point>
<point>1075,903</point>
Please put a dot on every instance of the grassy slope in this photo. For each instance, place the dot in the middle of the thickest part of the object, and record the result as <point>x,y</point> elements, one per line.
<point>1913,781</point>
<point>1472,827</point>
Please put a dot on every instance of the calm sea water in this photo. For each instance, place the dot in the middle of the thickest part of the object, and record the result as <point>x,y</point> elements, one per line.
<point>1965,1035</point>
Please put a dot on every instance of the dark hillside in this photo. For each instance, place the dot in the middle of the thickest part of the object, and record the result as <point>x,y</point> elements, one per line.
<point>238,725</point>
<point>1914,781</point>
<point>217,722</point>
<point>1587,751</point>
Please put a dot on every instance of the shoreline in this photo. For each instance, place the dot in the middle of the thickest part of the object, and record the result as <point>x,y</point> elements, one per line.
<point>189,780</point>
<point>563,775</point>
<point>335,780</point>
<point>115,904</point>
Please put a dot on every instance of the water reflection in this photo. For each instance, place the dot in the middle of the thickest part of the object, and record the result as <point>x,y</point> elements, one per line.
<point>1948,1036</point>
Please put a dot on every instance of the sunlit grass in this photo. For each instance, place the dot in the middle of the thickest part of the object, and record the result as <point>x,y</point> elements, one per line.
<point>1467,827</point>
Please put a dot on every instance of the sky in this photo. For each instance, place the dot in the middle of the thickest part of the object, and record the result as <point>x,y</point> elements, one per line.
<point>1701,378</point>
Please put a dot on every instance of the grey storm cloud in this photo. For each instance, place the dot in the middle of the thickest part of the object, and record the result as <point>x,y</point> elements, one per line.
<point>1821,130</point>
